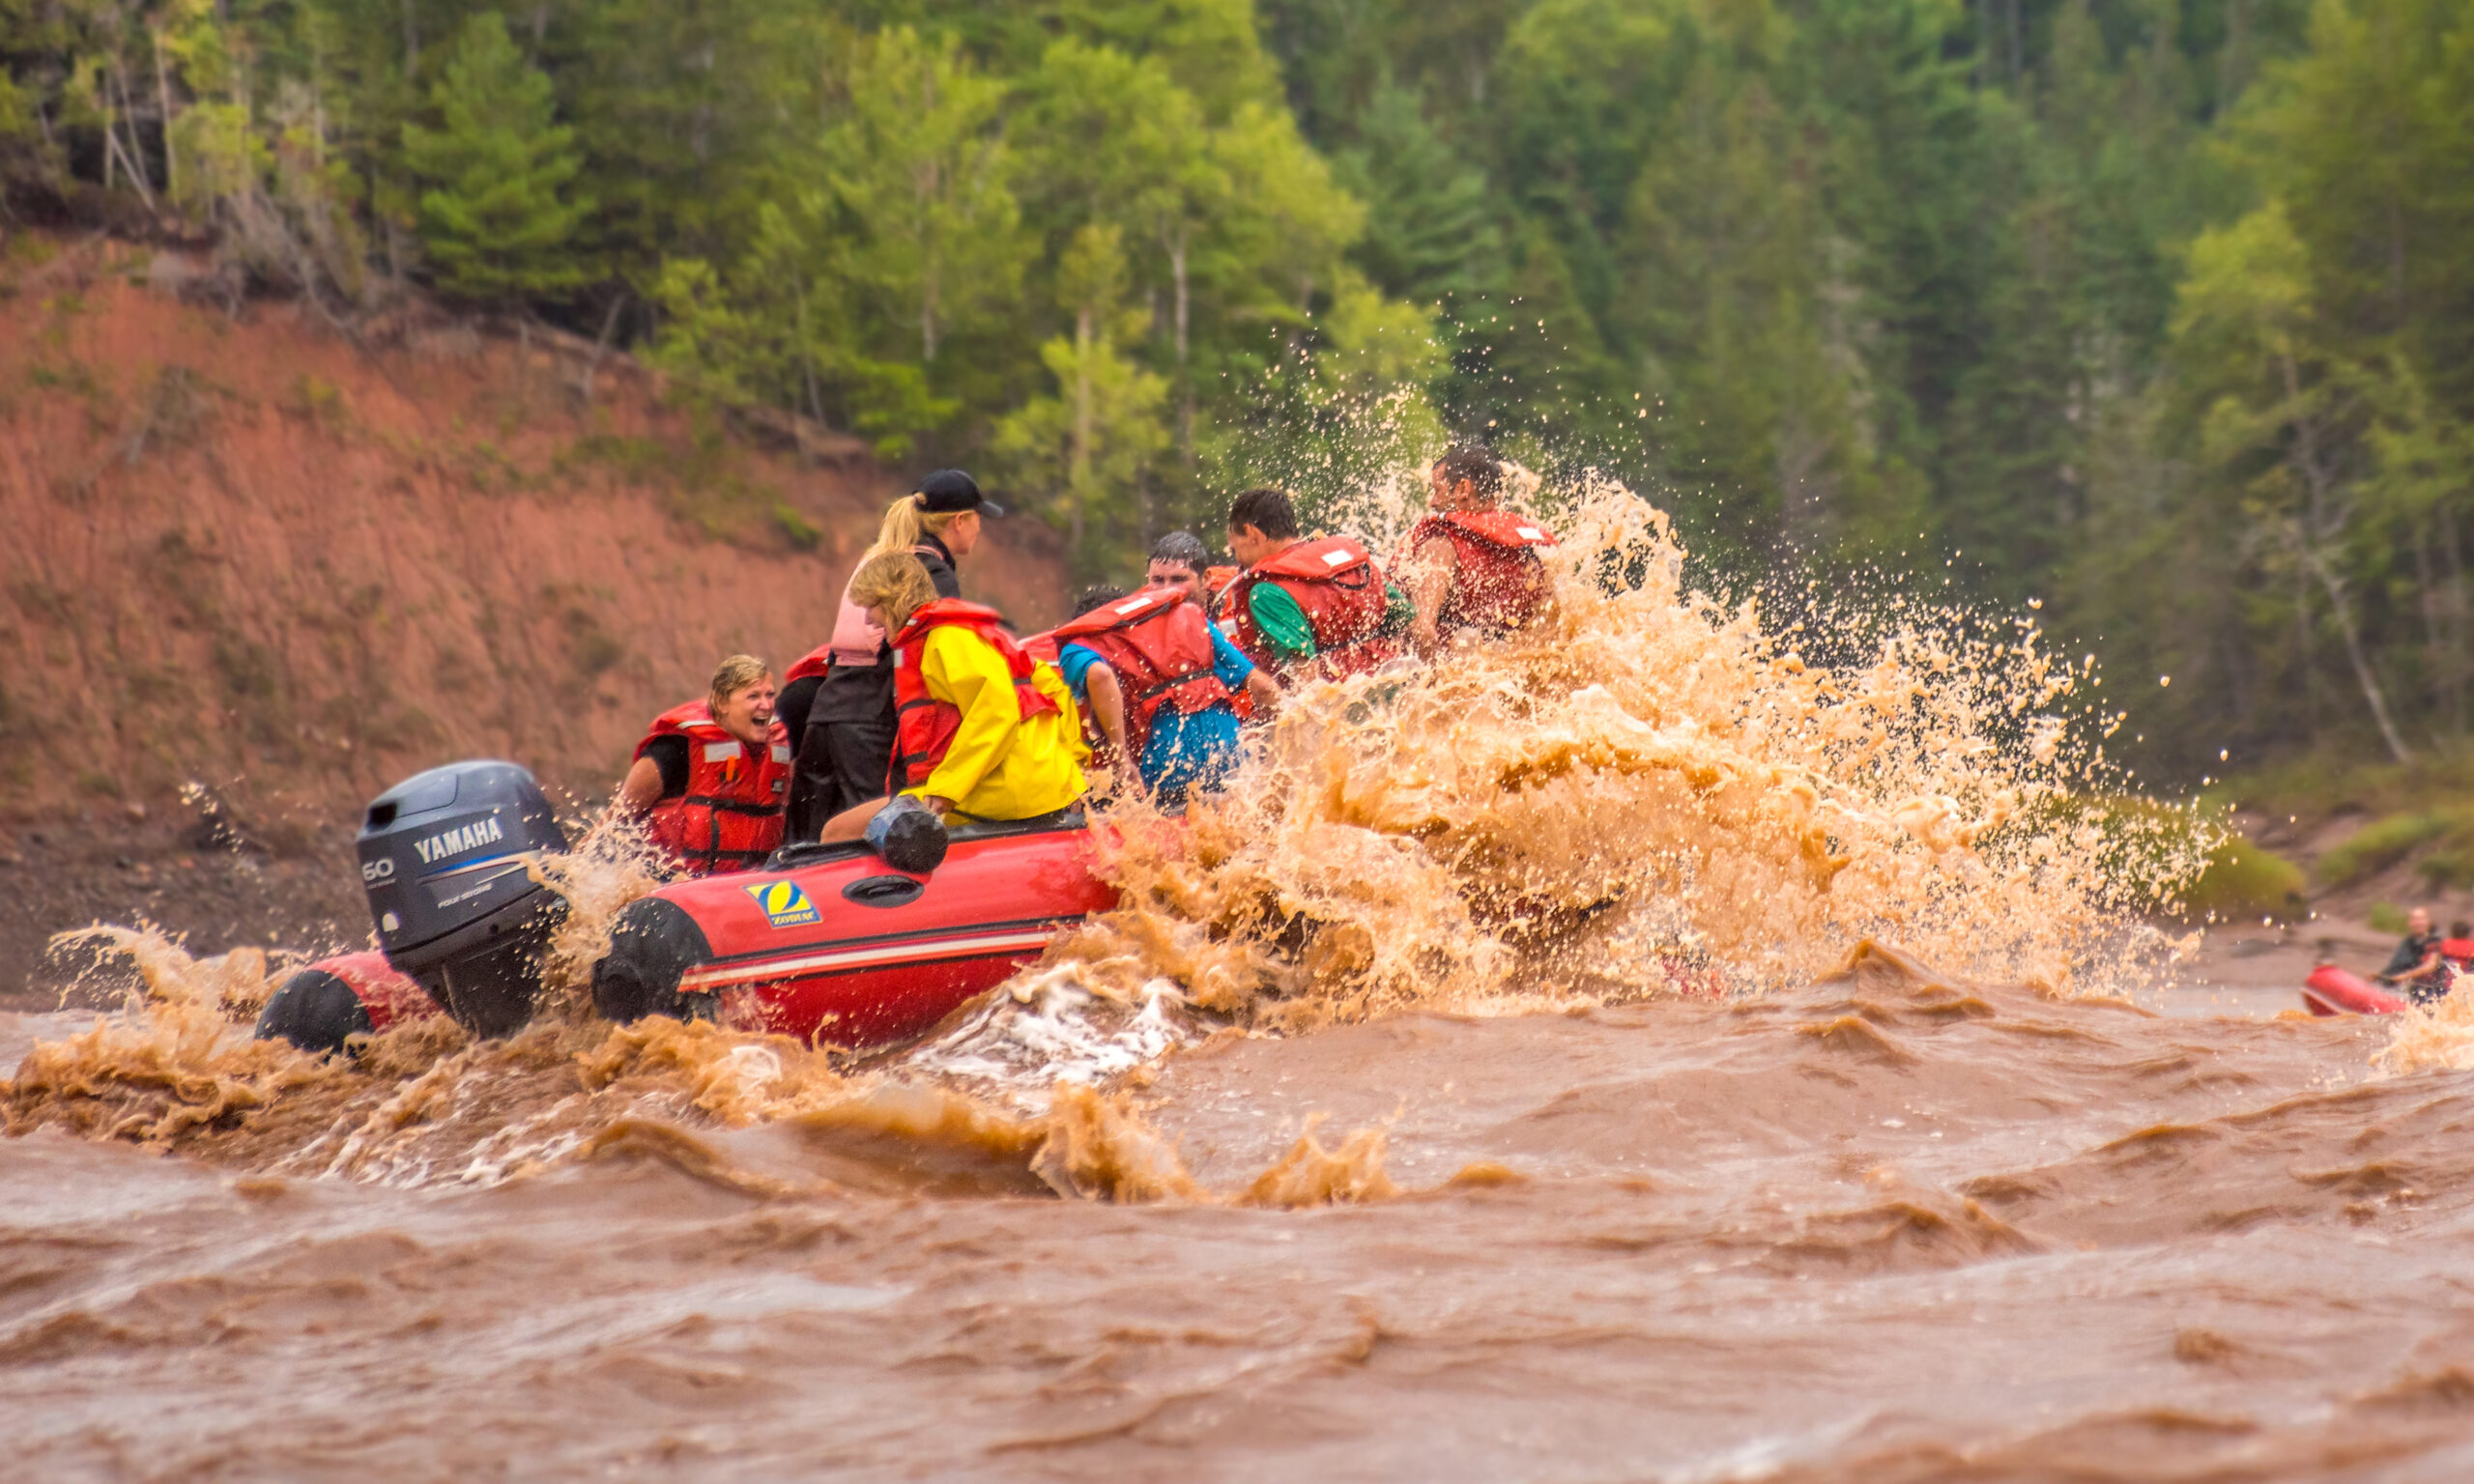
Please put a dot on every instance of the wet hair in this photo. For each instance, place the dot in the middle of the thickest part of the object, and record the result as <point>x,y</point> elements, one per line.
<point>906,522</point>
<point>1268,511</point>
<point>895,582</point>
<point>731,676</point>
<point>1481,465</point>
<point>1183,549</point>
<point>2460,929</point>
<point>1096,595</point>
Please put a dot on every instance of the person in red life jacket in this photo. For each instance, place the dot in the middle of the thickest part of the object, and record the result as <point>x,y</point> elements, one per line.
<point>986,732</point>
<point>1180,561</point>
<point>1322,604</point>
<point>1473,568</point>
<point>1158,679</point>
<point>712,773</point>
<point>845,733</point>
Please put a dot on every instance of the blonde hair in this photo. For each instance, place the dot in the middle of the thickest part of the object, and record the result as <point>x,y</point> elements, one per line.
<point>733,675</point>
<point>906,522</point>
<point>895,582</point>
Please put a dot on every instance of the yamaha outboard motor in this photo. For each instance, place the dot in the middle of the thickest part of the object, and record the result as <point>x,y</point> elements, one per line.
<point>441,858</point>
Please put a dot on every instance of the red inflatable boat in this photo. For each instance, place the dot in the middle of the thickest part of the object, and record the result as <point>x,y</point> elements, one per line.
<point>830,944</point>
<point>2333,992</point>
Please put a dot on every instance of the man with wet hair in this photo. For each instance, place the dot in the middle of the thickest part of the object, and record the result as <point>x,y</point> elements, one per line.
<point>1180,562</point>
<point>1322,604</point>
<point>1178,725</point>
<point>1473,568</point>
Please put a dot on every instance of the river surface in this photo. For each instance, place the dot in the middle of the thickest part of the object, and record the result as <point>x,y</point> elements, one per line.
<point>1505,1082</point>
<point>1889,1227</point>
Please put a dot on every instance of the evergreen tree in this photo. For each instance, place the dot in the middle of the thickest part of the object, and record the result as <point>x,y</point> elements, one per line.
<point>1430,227</point>
<point>917,211</point>
<point>2158,309</point>
<point>496,216</point>
<point>1087,448</point>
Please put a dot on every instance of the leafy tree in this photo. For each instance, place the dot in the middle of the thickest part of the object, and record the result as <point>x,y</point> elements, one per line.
<point>917,206</point>
<point>2279,418</point>
<point>496,216</point>
<point>1088,447</point>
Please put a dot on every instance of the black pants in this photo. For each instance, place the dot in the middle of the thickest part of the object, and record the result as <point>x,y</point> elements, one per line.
<point>791,707</point>
<point>846,751</point>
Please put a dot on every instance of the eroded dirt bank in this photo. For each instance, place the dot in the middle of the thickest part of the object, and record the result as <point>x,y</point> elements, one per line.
<point>250,553</point>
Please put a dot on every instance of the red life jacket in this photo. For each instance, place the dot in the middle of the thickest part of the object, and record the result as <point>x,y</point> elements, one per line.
<point>1496,586</point>
<point>1337,583</point>
<point>1159,646</point>
<point>818,662</point>
<point>2457,950</point>
<point>925,727</point>
<point>730,818</point>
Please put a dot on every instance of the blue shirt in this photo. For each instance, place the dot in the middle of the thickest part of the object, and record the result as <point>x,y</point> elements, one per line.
<point>1186,750</point>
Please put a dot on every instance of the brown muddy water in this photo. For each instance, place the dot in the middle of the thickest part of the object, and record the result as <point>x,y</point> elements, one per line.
<point>1503,1084</point>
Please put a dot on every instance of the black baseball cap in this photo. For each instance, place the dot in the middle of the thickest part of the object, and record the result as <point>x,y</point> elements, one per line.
<point>952,490</point>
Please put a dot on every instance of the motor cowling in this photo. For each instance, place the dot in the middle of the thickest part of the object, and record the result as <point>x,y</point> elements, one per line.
<point>441,860</point>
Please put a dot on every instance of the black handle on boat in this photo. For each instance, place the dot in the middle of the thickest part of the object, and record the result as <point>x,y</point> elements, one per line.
<point>884,890</point>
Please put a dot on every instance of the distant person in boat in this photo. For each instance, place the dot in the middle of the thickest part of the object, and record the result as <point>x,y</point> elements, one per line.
<point>2457,947</point>
<point>987,733</point>
<point>1158,679</point>
<point>712,773</point>
<point>1470,568</point>
<point>846,735</point>
<point>1307,607</point>
<point>2417,964</point>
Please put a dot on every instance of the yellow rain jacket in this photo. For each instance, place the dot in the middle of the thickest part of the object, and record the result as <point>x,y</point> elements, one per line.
<point>998,765</point>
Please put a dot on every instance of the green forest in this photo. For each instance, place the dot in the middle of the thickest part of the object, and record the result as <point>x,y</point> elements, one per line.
<point>2155,314</point>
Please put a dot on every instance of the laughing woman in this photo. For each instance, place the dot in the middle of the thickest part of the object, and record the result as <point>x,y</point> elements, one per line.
<point>711,774</point>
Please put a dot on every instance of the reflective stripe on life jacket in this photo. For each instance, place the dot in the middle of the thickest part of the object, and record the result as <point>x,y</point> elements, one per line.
<point>1498,583</point>
<point>1337,583</point>
<point>924,725</point>
<point>1159,646</point>
<point>730,818</point>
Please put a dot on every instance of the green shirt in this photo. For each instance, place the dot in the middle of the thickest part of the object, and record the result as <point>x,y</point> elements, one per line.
<point>1288,634</point>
